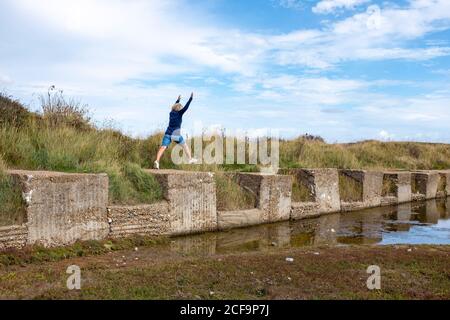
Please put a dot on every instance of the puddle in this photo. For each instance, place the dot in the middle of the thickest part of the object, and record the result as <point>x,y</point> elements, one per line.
<point>413,223</point>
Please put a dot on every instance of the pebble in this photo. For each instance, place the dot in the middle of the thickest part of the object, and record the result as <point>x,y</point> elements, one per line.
<point>136,249</point>
<point>290,259</point>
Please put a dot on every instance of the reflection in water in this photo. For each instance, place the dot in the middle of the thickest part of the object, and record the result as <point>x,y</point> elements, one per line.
<point>412,223</point>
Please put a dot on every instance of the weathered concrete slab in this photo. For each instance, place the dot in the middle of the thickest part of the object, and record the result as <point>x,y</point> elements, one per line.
<point>273,194</point>
<point>371,184</point>
<point>302,210</point>
<point>401,187</point>
<point>63,208</point>
<point>191,200</point>
<point>240,218</point>
<point>425,184</point>
<point>149,219</point>
<point>444,184</point>
<point>13,237</point>
<point>323,185</point>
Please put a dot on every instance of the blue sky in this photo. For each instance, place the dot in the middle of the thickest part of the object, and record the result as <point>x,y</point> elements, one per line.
<point>344,69</point>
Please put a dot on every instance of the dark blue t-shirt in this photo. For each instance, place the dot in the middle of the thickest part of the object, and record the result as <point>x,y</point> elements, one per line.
<point>176,118</point>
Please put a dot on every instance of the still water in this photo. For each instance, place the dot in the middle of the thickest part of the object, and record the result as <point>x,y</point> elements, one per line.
<point>412,223</point>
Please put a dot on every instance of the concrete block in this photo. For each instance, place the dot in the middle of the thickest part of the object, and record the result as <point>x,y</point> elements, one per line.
<point>273,194</point>
<point>401,187</point>
<point>447,207</point>
<point>148,219</point>
<point>371,184</point>
<point>425,184</point>
<point>444,184</point>
<point>240,218</point>
<point>63,208</point>
<point>13,237</point>
<point>302,210</point>
<point>191,200</point>
<point>323,185</point>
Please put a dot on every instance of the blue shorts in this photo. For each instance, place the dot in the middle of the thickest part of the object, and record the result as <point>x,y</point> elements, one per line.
<point>167,140</point>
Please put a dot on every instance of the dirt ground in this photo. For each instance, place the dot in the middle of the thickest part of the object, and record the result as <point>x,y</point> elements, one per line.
<point>407,272</point>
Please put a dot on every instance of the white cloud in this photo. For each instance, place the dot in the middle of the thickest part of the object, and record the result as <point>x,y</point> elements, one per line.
<point>376,34</point>
<point>5,80</point>
<point>330,6</point>
<point>126,59</point>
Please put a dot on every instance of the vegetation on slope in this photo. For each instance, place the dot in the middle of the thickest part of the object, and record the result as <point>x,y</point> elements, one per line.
<point>62,138</point>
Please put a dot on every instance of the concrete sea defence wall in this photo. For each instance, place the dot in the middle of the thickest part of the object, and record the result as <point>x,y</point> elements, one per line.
<point>396,188</point>
<point>323,188</point>
<point>273,201</point>
<point>63,208</point>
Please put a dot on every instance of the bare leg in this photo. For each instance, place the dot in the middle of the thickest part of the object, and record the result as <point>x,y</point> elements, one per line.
<point>160,153</point>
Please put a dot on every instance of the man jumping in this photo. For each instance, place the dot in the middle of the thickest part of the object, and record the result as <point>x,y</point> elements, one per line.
<point>173,133</point>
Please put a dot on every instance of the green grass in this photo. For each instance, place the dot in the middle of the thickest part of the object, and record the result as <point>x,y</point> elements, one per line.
<point>231,196</point>
<point>38,254</point>
<point>350,190</point>
<point>12,206</point>
<point>336,273</point>
<point>389,187</point>
<point>300,192</point>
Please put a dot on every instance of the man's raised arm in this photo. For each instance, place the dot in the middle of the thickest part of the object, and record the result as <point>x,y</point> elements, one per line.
<point>186,107</point>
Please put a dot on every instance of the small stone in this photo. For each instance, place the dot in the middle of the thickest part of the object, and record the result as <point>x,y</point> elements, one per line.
<point>289,278</point>
<point>110,221</point>
<point>136,249</point>
<point>288,259</point>
<point>409,250</point>
<point>273,244</point>
<point>136,258</point>
<point>211,293</point>
<point>316,253</point>
<point>332,230</point>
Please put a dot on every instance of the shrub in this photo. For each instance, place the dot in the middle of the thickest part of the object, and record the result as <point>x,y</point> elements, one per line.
<point>12,113</point>
<point>58,110</point>
<point>12,206</point>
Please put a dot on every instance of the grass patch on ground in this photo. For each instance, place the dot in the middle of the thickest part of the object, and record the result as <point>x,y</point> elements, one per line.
<point>350,190</point>
<point>300,192</point>
<point>12,206</point>
<point>38,254</point>
<point>230,195</point>
<point>389,187</point>
<point>419,272</point>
